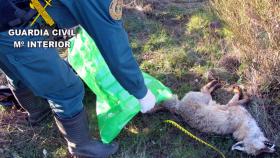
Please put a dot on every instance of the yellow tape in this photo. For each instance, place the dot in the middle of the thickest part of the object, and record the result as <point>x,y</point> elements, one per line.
<point>42,11</point>
<point>193,136</point>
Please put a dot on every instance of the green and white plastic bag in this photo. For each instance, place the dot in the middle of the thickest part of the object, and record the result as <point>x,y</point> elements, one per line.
<point>115,107</point>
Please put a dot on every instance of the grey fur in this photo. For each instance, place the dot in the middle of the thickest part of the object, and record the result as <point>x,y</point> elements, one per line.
<point>200,111</point>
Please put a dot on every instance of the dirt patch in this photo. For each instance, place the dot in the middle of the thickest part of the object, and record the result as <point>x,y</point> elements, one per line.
<point>20,139</point>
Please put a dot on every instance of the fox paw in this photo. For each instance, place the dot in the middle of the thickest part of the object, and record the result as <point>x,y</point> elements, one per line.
<point>237,89</point>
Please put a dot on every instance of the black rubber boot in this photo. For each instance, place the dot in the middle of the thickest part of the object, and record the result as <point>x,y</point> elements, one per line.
<point>80,143</point>
<point>36,107</point>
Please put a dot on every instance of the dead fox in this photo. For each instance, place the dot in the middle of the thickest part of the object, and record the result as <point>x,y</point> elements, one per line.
<point>200,111</point>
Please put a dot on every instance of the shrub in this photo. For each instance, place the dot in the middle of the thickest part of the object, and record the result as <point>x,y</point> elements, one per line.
<point>255,27</point>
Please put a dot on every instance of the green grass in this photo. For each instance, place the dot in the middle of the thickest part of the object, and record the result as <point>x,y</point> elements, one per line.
<point>180,64</point>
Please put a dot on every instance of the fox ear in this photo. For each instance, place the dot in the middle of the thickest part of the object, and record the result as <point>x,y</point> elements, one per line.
<point>238,146</point>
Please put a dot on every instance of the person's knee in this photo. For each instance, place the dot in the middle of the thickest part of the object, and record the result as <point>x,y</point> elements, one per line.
<point>68,102</point>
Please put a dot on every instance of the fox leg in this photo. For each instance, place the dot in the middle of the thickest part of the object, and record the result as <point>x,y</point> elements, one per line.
<point>210,87</point>
<point>236,99</point>
<point>245,100</point>
<point>237,90</point>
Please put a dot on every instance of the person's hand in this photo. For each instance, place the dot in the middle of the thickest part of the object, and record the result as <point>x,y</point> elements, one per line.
<point>148,102</point>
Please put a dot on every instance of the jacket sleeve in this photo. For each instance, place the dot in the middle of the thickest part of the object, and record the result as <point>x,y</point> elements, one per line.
<point>112,41</point>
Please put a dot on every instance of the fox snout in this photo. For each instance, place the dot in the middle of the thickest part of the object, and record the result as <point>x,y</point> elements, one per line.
<point>270,147</point>
<point>254,148</point>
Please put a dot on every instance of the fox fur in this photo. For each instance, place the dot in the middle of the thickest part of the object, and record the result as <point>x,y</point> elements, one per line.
<point>200,111</point>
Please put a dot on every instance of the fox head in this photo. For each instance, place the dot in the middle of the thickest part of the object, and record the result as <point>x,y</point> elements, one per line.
<point>254,146</point>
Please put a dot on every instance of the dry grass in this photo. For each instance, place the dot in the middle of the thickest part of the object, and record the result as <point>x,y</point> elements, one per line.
<point>18,139</point>
<point>255,27</point>
<point>256,37</point>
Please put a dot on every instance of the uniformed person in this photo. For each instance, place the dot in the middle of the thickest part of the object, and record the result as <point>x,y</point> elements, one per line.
<point>37,73</point>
